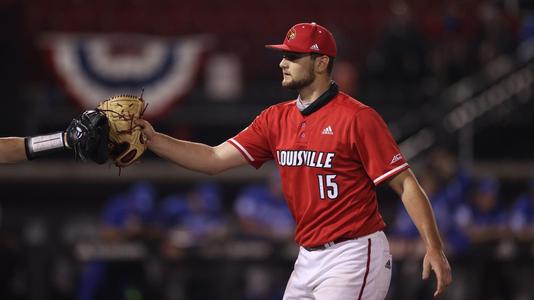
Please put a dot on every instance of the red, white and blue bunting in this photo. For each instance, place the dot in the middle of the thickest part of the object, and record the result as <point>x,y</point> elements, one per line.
<point>95,67</point>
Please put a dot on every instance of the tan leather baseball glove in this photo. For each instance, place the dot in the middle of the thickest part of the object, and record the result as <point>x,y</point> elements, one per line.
<point>126,142</point>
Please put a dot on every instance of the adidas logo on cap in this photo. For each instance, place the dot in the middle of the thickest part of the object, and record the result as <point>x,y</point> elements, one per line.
<point>306,38</point>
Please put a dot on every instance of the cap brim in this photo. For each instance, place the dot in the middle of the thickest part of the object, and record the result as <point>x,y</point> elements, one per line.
<point>283,47</point>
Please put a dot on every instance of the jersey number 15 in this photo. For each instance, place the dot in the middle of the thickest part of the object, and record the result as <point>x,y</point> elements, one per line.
<point>327,186</point>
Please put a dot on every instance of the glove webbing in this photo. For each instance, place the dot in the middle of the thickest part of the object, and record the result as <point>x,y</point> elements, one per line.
<point>126,117</point>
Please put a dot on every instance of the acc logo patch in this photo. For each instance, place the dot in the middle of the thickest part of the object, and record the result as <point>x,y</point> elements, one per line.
<point>291,34</point>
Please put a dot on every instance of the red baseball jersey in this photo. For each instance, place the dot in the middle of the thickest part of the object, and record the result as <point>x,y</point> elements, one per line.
<point>330,156</point>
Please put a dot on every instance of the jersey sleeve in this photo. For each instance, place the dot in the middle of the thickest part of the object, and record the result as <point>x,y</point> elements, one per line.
<point>253,141</point>
<point>379,153</point>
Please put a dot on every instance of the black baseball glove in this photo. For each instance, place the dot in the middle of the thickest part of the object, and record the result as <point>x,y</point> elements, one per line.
<point>87,135</point>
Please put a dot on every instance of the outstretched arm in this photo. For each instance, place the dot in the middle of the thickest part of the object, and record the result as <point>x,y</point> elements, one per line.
<point>420,211</point>
<point>193,156</point>
<point>87,135</point>
<point>12,150</point>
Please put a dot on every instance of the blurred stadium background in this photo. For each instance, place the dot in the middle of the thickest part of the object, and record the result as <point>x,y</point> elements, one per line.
<point>453,79</point>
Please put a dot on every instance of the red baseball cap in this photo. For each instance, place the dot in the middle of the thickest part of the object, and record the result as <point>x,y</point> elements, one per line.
<point>308,38</point>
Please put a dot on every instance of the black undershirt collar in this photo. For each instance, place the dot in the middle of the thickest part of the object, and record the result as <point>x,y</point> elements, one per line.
<point>332,91</point>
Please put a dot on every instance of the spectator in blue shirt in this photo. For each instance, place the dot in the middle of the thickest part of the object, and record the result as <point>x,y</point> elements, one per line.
<point>126,217</point>
<point>192,219</point>
<point>483,219</point>
<point>205,218</point>
<point>263,216</point>
<point>263,213</point>
<point>522,214</point>
<point>130,215</point>
<point>522,226</point>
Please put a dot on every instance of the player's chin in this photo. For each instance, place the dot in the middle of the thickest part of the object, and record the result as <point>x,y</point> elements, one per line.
<point>287,83</point>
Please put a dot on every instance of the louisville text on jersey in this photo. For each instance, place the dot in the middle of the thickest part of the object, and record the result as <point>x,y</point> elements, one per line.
<point>297,158</point>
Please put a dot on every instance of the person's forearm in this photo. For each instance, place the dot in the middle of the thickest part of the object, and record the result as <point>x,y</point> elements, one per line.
<point>12,150</point>
<point>420,211</point>
<point>192,156</point>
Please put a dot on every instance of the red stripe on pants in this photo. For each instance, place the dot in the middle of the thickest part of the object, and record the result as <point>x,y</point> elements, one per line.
<point>366,267</point>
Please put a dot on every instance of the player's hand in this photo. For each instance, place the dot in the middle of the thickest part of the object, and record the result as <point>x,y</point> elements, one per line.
<point>147,129</point>
<point>436,261</point>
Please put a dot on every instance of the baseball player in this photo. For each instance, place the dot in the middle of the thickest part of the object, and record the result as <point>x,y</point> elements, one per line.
<point>331,151</point>
<point>86,135</point>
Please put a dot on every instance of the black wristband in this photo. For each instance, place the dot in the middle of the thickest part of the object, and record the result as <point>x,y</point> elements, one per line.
<point>42,145</point>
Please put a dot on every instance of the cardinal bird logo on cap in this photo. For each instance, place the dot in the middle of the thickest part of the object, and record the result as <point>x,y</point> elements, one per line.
<point>291,34</point>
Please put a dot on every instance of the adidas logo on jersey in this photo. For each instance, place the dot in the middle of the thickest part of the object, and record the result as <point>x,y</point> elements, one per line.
<point>328,130</point>
<point>388,264</point>
<point>396,158</point>
<point>314,47</point>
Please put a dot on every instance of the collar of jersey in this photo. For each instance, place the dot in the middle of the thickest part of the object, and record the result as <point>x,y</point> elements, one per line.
<point>322,100</point>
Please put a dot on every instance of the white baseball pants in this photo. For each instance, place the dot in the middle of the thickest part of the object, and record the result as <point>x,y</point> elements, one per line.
<point>358,269</point>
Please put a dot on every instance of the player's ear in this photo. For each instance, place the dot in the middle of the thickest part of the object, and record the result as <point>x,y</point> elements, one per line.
<point>321,63</point>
